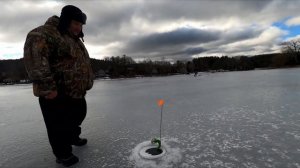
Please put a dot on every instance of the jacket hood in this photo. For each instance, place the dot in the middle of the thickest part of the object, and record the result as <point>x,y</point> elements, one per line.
<point>52,21</point>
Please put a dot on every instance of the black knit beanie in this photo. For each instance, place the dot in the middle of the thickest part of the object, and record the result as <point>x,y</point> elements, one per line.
<point>69,13</point>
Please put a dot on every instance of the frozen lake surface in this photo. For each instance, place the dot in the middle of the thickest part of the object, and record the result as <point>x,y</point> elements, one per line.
<point>235,119</point>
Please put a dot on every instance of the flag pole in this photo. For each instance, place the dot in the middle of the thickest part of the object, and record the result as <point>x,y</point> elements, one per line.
<point>161,114</point>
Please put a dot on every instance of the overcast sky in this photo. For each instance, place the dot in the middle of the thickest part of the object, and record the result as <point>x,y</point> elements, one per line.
<point>169,29</point>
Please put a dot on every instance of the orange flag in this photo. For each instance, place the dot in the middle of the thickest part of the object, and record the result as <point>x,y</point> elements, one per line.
<point>160,102</point>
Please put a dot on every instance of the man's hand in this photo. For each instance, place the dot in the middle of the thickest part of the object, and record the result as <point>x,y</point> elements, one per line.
<point>51,95</point>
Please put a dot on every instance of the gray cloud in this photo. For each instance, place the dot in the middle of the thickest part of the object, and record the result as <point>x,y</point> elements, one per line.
<point>106,19</point>
<point>176,38</point>
<point>187,54</point>
<point>19,17</point>
<point>139,27</point>
<point>184,42</point>
<point>241,34</point>
<point>104,26</point>
<point>204,10</point>
<point>194,51</point>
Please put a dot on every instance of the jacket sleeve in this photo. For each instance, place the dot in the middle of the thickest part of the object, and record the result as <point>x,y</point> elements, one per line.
<point>91,76</point>
<point>36,59</point>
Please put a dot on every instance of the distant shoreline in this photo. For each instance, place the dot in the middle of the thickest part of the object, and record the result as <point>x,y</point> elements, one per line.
<point>287,67</point>
<point>140,76</point>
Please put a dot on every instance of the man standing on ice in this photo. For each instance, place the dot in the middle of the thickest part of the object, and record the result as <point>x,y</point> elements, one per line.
<point>59,66</point>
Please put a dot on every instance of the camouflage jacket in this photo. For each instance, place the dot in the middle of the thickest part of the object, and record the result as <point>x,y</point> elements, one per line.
<point>57,62</point>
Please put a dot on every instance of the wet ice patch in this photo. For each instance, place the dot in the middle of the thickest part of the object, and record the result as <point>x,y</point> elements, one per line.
<point>96,150</point>
<point>168,160</point>
<point>295,135</point>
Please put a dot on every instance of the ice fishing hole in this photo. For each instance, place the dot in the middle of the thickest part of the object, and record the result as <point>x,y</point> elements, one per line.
<point>152,152</point>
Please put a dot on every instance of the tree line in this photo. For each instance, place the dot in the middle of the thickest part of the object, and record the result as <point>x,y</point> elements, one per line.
<point>13,71</point>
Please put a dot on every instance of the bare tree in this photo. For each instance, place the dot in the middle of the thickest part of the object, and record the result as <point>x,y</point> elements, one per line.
<point>292,49</point>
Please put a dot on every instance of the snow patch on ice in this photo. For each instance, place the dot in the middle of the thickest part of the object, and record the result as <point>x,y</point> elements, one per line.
<point>171,157</point>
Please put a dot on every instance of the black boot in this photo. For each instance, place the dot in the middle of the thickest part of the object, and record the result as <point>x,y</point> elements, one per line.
<point>80,142</point>
<point>68,161</point>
